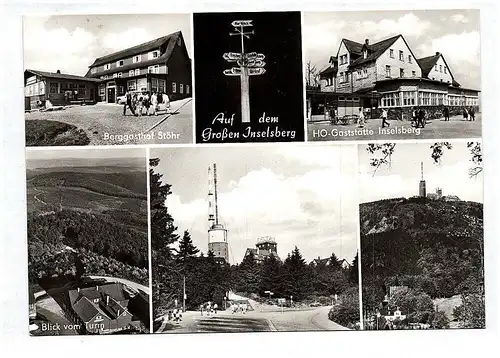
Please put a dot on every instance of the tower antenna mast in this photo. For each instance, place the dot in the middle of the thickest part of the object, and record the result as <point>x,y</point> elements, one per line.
<point>215,196</point>
<point>422,169</point>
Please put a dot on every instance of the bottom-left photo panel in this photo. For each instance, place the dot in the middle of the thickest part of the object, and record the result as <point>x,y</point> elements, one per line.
<point>88,250</point>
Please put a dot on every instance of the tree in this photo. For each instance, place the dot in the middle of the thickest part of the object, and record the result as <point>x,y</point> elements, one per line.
<point>471,313</point>
<point>187,251</point>
<point>334,262</point>
<point>311,75</point>
<point>296,280</point>
<point>270,275</point>
<point>248,275</point>
<point>417,306</point>
<point>353,271</point>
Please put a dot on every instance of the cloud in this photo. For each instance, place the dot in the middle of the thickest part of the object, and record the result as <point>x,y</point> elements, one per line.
<point>455,47</point>
<point>407,25</point>
<point>315,211</point>
<point>459,18</point>
<point>125,39</point>
<point>56,48</point>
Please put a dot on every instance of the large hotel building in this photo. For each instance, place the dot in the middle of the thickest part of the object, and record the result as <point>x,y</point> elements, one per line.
<point>387,74</point>
<point>159,65</point>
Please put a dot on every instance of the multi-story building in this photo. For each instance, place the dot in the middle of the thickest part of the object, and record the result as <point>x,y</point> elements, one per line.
<point>162,65</point>
<point>387,74</point>
<point>265,247</point>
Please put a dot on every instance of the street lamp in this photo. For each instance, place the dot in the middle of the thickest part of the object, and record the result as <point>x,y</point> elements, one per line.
<point>225,301</point>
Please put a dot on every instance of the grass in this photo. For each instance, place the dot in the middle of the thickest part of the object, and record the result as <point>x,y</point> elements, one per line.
<point>53,133</point>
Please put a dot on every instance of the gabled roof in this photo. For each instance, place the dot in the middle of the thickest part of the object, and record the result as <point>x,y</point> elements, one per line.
<point>353,46</point>
<point>62,76</point>
<point>428,63</point>
<point>114,290</point>
<point>327,71</point>
<point>147,46</point>
<point>375,50</point>
<point>86,310</point>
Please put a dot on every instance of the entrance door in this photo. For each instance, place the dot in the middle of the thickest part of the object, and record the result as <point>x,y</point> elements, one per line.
<point>92,95</point>
<point>111,95</point>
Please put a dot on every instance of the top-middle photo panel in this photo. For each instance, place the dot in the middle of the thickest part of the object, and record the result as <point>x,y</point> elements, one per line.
<point>375,75</point>
<point>248,77</point>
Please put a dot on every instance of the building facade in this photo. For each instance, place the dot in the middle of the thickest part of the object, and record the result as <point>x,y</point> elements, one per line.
<point>387,75</point>
<point>265,247</point>
<point>162,65</point>
<point>48,89</point>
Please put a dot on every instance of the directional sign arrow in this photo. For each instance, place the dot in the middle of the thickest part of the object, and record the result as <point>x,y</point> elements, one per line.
<point>260,56</point>
<point>256,63</point>
<point>244,23</point>
<point>231,56</point>
<point>251,54</point>
<point>231,73</point>
<point>256,71</point>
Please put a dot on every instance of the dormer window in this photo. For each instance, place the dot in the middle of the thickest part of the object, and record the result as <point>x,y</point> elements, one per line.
<point>107,66</point>
<point>154,54</point>
<point>119,63</point>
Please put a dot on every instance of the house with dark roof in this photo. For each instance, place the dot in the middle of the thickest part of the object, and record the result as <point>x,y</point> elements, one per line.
<point>161,65</point>
<point>265,247</point>
<point>101,309</point>
<point>47,89</point>
<point>387,74</point>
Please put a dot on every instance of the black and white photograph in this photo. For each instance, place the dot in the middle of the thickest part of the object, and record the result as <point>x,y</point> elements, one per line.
<point>248,77</point>
<point>88,253</point>
<point>108,79</point>
<point>260,238</point>
<point>377,75</point>
<point>421,224</point>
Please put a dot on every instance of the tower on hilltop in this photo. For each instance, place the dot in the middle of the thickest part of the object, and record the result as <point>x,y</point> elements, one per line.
<point>421,186</point>
<point>217,234</point>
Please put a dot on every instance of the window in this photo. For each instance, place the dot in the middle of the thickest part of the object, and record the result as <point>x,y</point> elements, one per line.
<point>174,87</point>
<point>98,318</point>
<point>53,87</point>
<point>187,89</point>
<point>136,59</point>
<point>93,70</point>
<point>425,98</point>
<point>390,100</point>
<point>181,88</point>
<point>401,72</point>
<point>119,75</point>
<point>436,67</point>
<point>115,75</point>
<point>131,85</point>
<point>445,71</point>
<point>154,85</point>
<point>391,53</point>
<point>137,72</point>
<point>387,71</point>
<point>131,73</point>
<point>154,54</point>
<point>96,300</point>
<point>409,58</point>
<point>161,86</point>
<point>119,63</point>
<point>154,69</point>
<point>413,74</point>
<point>81,90</point>
<point>401,56</point>
<point>408,98</point>
<point>107,66</point>
<point>440,68</point>
<point>365,73</point>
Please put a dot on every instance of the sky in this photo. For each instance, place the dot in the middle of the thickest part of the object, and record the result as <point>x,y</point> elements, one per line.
<point>402,177</point>
<point>71,43</point>
<point>302,195</point>
<point>454,33</point>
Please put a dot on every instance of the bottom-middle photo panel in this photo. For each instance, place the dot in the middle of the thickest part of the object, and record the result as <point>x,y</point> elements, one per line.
<point>260,238</point>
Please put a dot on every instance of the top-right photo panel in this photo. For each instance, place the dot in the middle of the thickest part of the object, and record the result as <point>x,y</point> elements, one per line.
<point>373,75</point>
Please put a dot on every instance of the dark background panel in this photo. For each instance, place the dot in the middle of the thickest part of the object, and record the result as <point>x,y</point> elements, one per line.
<point>278,92</point>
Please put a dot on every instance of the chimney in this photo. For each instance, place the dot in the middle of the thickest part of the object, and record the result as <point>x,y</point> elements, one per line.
<point>438,53</point>
<point>367,42</point>
<point>58,71</point>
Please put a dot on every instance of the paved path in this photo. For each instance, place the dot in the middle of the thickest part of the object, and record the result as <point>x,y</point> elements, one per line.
<point>105,124</point>
<point>457,127</point>
<point>134,285</point>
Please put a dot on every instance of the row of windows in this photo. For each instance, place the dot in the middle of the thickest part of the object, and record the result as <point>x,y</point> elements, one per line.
<point>401,55</point>
<point>388,72</point>
<point>440,68</point>
<point>136,59</point>
<point>409,98</point>
<point>157,85</point>
<point>136,72</point>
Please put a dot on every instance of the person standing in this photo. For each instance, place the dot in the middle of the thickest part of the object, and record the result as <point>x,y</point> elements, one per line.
<point>466,114</point>
<point>384,118</point>
<point>215,308</point>
<point>154,103</point>
<point>414,117</point>
<point>361,118</point>
<point>446,113</point>
<point>472,114</point>
<point>128,103</point>
<point>166,101</point>
<point>421,118</point>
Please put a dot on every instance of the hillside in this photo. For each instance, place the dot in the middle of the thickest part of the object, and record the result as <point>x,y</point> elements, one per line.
<point>432,245</point>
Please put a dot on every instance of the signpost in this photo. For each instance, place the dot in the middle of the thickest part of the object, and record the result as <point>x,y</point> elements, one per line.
<point>250,64</point>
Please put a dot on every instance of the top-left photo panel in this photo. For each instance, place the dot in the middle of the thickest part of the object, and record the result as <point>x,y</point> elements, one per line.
<point>108,79</point>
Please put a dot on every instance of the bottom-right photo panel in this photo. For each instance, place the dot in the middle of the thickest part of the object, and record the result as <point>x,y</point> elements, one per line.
<point>421,228</point>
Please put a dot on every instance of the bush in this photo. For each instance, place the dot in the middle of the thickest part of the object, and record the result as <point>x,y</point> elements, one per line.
<point>53,133</point>
<point>471,313</point>
<point>346,312</point>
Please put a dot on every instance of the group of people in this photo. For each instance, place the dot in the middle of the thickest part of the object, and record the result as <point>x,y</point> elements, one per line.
<point>418,117</point>
<point>239,307</point>
<point>174,315</point>
<point>209,308</point>
<point>137,102</point>
<point>469,114</point>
